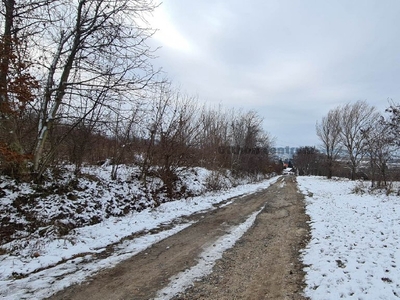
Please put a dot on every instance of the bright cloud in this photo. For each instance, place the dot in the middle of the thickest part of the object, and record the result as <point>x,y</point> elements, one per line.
<point>279,57</point>
<point>168,35</point>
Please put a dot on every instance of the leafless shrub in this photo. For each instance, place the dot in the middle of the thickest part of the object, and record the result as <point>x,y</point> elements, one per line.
<point>216,181</point>
<point>359,188</point>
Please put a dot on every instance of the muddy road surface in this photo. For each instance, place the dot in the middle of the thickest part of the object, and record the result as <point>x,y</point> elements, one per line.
<point>263,264</point>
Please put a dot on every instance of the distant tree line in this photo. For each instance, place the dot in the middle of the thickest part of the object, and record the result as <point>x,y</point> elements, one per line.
<point>77,86</point>
<point>358,142</point>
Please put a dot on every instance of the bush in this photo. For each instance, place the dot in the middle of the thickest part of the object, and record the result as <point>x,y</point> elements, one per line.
<point>216,181</point>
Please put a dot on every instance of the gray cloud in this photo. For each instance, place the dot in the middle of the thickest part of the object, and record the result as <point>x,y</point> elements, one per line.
<point>291,61</point>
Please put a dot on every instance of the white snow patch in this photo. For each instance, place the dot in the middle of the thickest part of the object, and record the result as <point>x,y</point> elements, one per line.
<point>47,282</point>
<point>354,248</point>
<point>62,262</point>
<point>207,260</point>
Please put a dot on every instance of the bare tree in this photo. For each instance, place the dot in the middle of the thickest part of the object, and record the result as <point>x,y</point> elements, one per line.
<point>122,135</point>
<point>17,85</point>
<point>244,132</point>
<point>237,133</point>
<point>379,148</point>
<point>88,46</point>
<point>176,140</point>
<point>393,122</point>
<point>213,138</point>
<point>233,140</point>
<point>328,132</point>
<point>354,118</point>
<point>307,160</point>
<point>156,111</point>
<point>170,135</point>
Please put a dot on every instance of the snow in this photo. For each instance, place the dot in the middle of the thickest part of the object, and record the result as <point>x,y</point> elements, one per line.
<point>42,284</point>
<point>353,251</point>
<point>207,260</point>
<point>44,266</point>
<point>354,248</point>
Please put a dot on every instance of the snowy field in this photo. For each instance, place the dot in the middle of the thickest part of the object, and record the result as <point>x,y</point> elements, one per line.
<point>43,267</point>
<point>353,252</point>
<point>354,249</point>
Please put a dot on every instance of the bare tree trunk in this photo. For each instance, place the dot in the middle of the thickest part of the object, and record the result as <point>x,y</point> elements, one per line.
<point>100,41</point>
<point>46,121</point>
<point>15,91</point>
<point>6,54</point>
<point>329,133</point>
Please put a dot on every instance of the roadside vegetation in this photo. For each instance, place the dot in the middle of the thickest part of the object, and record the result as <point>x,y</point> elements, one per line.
<point>78,90</point>
<point>357,142</point>
<point>79,97</point>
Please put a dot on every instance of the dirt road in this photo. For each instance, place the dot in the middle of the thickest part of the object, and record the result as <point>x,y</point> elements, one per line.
<point>263,264</point>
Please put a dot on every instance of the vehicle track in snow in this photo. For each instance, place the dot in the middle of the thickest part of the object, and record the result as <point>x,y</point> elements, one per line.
<point>263,264</point>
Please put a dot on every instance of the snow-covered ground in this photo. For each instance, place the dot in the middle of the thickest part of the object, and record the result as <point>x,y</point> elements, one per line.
<point>44,266</point>
<point>354,251</point>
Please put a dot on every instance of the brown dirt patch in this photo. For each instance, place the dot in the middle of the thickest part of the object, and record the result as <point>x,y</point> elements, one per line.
<point>263,264</point>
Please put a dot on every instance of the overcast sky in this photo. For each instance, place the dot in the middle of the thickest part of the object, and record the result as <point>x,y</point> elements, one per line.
<point>289,60</point>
